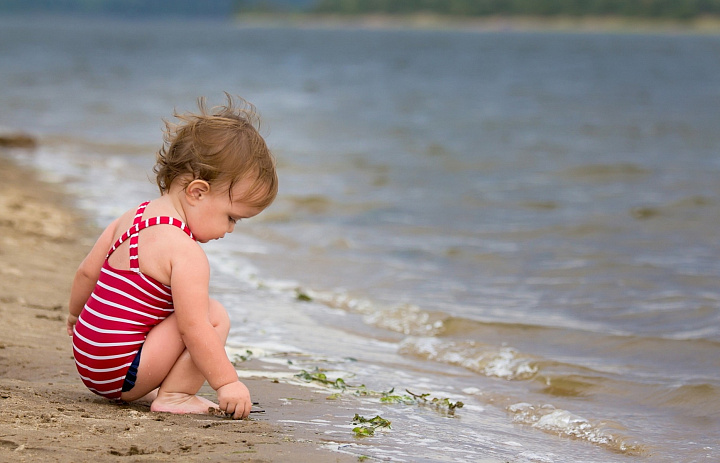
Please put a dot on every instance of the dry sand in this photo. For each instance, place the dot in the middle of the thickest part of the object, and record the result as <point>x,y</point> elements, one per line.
<point>429,21</point>
<point>46,414</point>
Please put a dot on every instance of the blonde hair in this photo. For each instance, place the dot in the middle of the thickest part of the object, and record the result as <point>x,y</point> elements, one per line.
<point>221,146</point>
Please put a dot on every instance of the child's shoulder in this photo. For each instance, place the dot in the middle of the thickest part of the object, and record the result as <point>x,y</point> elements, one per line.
<point>122,223</point>
<point>171,225</point>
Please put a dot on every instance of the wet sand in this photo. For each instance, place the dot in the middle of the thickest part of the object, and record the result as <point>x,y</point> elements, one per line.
<point>46,414</point>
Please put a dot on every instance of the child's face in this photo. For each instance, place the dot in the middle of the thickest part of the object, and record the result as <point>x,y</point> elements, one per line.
<point>216,215</point>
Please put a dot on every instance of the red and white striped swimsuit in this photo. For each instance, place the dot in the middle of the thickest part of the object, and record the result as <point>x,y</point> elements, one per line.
<point>122,309</point>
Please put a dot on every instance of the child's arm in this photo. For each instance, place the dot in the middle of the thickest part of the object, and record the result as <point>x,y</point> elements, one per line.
<point>190,279</point>
<point>87,275</point>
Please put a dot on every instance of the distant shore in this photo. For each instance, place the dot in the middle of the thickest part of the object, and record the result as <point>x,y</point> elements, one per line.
<point>612,24</point>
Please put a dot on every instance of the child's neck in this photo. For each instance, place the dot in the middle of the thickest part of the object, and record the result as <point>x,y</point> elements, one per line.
<point>173,201</point>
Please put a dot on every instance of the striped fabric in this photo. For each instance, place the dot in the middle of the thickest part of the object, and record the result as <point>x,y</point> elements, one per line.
<point>122,309</point>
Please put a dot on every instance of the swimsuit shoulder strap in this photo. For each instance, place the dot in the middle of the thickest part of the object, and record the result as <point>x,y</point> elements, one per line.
<point>140,224</point>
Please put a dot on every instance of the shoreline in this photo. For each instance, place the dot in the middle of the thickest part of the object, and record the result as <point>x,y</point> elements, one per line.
<point>47,414</point>
<point>706,25</point>
<point>703,25</point>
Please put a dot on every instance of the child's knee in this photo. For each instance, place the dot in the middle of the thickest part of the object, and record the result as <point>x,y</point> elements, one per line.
<point>219,317</point>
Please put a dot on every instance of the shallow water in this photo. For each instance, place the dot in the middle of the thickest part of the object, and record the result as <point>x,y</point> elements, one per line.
<point>526,222</point>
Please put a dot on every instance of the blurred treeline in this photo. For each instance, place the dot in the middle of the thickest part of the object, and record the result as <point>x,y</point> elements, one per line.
<point>140,8</point>
<point>669,9</point>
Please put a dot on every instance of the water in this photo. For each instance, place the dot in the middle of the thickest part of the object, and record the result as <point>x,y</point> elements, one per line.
<point>526,222</point>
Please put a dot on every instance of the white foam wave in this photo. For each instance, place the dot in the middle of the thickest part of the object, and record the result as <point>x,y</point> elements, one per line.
<point>564,423</point>
<point>502,362</point>
<point>407,319</point>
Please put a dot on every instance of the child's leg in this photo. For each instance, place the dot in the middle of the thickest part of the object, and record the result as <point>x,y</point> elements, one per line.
<point>165,362</point>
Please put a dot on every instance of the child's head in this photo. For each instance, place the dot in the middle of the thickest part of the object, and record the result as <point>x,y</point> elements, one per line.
<point>221,146</point>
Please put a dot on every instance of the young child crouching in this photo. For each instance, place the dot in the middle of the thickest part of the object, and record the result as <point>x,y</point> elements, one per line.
<point>142,322</point>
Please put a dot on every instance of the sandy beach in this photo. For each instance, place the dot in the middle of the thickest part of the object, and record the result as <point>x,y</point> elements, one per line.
<point>46,414</point>
<point>485,24</point>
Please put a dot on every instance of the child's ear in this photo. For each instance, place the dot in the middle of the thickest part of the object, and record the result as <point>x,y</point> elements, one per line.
<point>196,190</point>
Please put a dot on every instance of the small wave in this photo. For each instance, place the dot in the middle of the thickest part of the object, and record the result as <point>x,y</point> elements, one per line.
<point>501,362</point>
<point>691,399</point>
<point>676,210</point>
<point>606,172</point>
<point>290,206</point>
<point>407,319</point>
<point>564,385</point>
<point>314,204</point>
<point>540,205</point>
<point>332,299</point>
<point>72,143</point>
<point>564,423</point>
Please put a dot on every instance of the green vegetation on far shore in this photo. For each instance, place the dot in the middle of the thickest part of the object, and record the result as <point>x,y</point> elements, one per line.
<point>648,9</point>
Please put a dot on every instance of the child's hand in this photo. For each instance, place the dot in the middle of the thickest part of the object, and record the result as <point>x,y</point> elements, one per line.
<point>71,320</point>
<point>234,398</point>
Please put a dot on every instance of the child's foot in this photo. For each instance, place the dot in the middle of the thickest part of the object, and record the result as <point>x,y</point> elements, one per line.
<point>175,402</point>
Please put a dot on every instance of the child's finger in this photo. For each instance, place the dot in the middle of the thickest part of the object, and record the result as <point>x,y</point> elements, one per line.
<point>245,410</point>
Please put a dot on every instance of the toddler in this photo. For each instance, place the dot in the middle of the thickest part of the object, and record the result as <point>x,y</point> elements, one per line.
<point>142,322</point>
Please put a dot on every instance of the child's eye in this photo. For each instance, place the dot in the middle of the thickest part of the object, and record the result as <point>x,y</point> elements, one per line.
<point>232,220</point>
